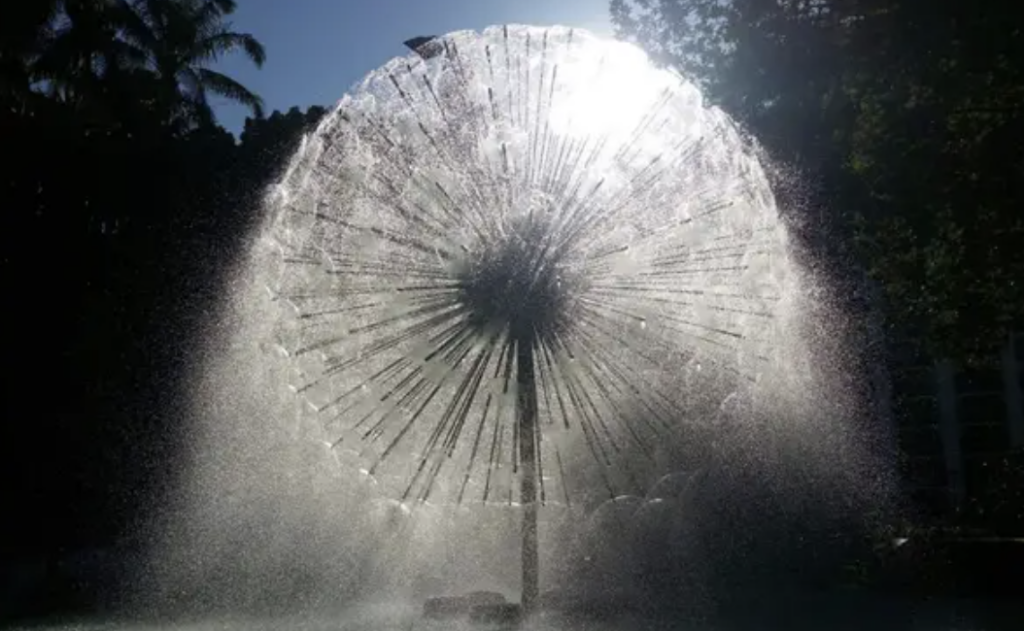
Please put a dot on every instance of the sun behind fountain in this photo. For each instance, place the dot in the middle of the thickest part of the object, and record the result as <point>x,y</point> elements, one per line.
<point>497,251</point>
<point>522,195</point>
<point>526,210</point>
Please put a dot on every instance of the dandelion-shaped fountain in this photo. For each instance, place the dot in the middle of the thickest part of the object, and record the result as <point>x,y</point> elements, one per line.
<point>499,253</point>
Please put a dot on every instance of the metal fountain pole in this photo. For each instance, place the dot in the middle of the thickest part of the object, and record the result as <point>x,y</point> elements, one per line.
<point>526,417</point>
<point>522,333</point>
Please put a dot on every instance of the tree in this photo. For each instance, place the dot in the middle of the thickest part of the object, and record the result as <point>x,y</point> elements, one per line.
<point>180,38</point>
<point>124,205</point>
<point>109,55</point>
<point>901,115</point>
<point>939,103</point>
<point>26,25</point>
<point>266,144</point>
<point>82,52</point>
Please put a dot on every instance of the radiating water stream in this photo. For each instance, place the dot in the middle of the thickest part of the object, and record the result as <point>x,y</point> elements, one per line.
<point>354,436</point>
<point>522,179</point>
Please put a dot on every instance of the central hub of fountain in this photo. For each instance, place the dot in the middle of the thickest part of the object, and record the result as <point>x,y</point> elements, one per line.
<point>496,255</point>
<point>516,281</point>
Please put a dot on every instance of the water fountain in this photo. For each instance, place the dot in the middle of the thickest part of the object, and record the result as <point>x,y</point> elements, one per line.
<point>511,277</point>
<point>495,252</point>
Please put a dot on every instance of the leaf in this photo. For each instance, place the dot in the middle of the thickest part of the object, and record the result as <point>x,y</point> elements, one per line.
<point>225,86</point>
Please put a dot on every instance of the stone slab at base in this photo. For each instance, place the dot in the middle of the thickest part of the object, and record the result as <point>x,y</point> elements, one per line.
<point>504,613</point>
<point>460,606</point>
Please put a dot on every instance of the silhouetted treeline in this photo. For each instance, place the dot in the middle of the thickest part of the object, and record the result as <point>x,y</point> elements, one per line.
<point>123,203</point>
<point>896,126</point>
<point>903,120</point>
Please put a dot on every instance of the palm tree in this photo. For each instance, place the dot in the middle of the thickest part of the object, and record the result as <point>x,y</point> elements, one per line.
<point>82,59</point>
<point>96,53</point>
<point>180,38</point>
<point>23,31</point>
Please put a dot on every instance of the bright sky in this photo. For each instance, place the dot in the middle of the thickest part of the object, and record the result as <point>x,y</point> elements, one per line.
<point>316,49</point>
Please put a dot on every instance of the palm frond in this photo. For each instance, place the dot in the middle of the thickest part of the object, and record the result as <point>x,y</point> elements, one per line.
<point>121,55</point>
<point>190,86</point>
<point>210,11</point>
<point>195,104</point>
<point>61,60</point>
<point>24,32</point>
<point>155,15</point>
<point>223,85</point>
<point>135,28</point>
<point>213,46</point>
<point>227,7</point>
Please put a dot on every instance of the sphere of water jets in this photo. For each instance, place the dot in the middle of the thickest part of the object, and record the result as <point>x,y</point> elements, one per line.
<point>614,515</point>
<point>671,485</point>
<point>654,523</point>
<point>522,209</point>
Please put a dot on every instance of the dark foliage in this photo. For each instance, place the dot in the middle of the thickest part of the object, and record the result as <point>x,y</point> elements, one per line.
<point>902,118</point>
<point>123,205</point>
<point>901,121</point>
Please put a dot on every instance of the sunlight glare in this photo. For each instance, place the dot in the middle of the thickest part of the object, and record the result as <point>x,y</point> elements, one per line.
<point>609,87</point>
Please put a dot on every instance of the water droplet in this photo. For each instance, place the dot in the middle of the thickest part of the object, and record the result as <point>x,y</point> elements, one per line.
<point>643,323</point>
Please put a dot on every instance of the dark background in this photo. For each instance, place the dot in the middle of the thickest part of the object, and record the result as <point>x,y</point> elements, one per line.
<point>897,126</point>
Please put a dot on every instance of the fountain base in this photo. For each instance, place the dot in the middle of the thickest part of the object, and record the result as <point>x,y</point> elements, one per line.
<point>446,607</point>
